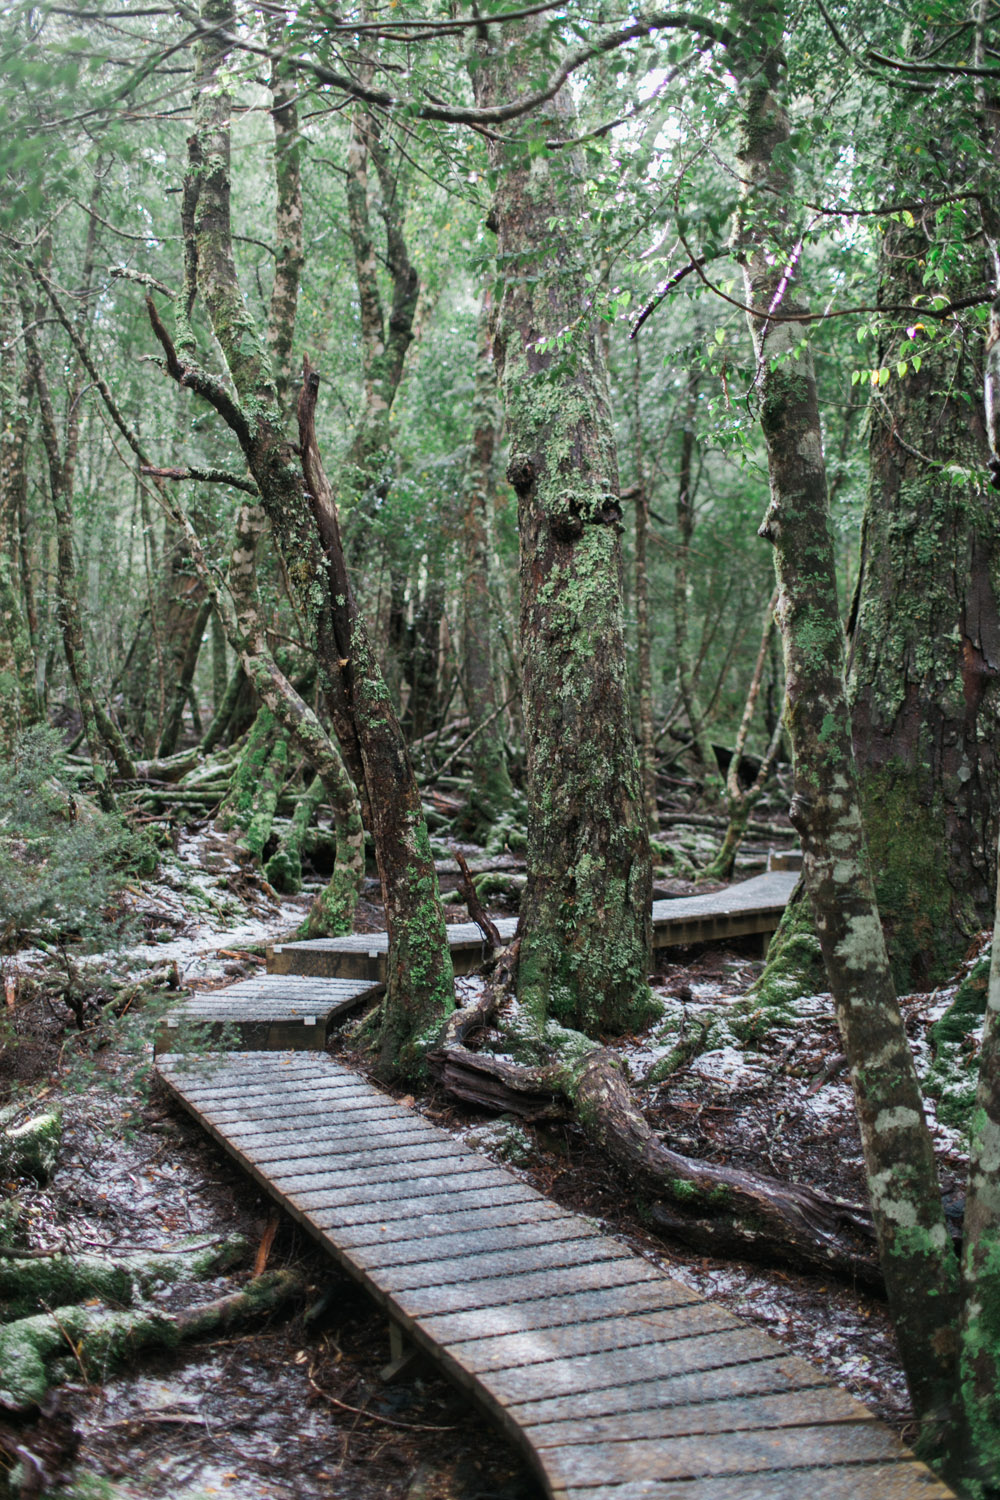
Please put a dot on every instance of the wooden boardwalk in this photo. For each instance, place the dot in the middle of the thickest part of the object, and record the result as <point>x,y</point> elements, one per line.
<point>268,1012</point>
<point>749,908</point>
<point>617,1382</point>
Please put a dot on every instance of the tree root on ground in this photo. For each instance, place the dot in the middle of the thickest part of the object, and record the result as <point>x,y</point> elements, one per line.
<point>37,1352</point>
<point>716,1208</point>
<point>34,1284</point>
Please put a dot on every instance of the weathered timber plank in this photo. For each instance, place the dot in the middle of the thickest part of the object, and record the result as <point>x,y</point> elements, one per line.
<point>407,1192</point>
<point>714,1454</point>
<point>554,1312</point>
<point>420,1302</point>
<point>895,1481</point>
<point>259,1136</point>
<point>584,1372</point>
<point>329,1178</point>
<point>625,1331</point>
<point>467,1242</point>
<point>426,1226</point>
<point>334,1155</point>
<point>722,1382</point>
<point>822,1405</point>
<point>532,1258</point>
<point>335,1217</point>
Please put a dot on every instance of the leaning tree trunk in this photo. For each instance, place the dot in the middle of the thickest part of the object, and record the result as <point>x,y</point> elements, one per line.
<point>490,792</point>
<point>420,980</point>
<point>915,1248</point>
<point>643,634</point>
<point>687,670</point>
<point>19,705</point>
<point>585,914</point>
<point>925,645</point>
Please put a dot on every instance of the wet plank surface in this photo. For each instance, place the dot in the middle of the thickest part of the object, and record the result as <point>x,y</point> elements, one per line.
<point>751,906</point>
<point>269,1012</point>
<point>617,1382</point>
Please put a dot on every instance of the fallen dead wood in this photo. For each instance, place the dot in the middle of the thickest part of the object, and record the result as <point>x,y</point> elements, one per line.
<point>718,1208</point>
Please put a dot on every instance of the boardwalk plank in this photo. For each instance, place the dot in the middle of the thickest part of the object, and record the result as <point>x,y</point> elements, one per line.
<point>822,1405</point>
<point>769,1375</point>
<point>545,1217</point>
<point>333,1217</point>
<point>621,1331</point>
<point>584,1372</point>
<point>420,1302</point>
<point>528,1260</point>
<point>652,1295</point>
<point>897,1481</point>
<point>467,1241</point>
<point>716,1454</point>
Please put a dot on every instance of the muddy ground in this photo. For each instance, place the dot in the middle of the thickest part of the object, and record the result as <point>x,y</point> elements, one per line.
<point>296,1407</point>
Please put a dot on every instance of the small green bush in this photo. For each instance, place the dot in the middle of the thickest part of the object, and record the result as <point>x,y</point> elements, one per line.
<point>62,860</point>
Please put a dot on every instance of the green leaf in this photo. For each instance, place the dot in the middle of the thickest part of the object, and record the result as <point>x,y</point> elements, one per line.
<point>916,362</point>
<point>902,368</point>
<point>883,376</point>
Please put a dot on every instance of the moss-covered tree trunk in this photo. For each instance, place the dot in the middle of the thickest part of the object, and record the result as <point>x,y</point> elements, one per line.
<point>490,792</point>
<point>420,980</point>
<point>100,731</point>
<point>924,666</point>
<point>19,705</point>
<point>979,1360</point>
<point>686,669</point>
<point>643,632</point>
<point>585,915</point>
<point>915,1249</point>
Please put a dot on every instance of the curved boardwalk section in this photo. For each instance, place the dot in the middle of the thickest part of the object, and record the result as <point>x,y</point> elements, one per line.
<point>618,1383</point>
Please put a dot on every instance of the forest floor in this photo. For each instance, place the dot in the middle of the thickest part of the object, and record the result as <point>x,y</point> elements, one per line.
<point>296,1407</point>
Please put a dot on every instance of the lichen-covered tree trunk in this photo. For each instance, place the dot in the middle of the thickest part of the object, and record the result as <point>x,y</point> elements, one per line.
<point>924,665</point>
<point>420,981</point>
<point>19,705</point>
<point>585,915</point>
<point>740,802</point>
<point>99,730</point>
<point>490,791</point>
<point>915,1249</point>
<point>686,669</point>
<point>184,663</point>
<point>979,1358</point>
<point>643,634</point>
<point>335,914</point>
<point>289,256</point>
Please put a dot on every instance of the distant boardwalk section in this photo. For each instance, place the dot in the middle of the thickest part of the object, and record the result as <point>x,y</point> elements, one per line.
<point>751,908</point>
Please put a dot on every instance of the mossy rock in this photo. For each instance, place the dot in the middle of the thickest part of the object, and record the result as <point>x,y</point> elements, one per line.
<point>31,1149</point>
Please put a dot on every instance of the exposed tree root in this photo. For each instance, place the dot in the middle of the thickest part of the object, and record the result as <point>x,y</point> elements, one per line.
<point>718,1208</point>
<point>35,1353</point>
